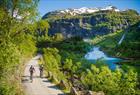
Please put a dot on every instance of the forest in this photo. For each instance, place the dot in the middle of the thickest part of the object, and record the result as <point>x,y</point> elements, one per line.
<point>23,34</point>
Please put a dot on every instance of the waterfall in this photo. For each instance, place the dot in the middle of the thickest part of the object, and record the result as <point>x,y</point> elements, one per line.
<point>122,38</point>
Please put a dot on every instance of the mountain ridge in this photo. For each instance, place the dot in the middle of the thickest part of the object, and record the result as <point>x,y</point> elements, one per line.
<point>91,24</point>
<point>82,10</point>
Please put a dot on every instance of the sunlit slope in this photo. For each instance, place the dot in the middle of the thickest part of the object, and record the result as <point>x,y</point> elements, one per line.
<point>129,48</point>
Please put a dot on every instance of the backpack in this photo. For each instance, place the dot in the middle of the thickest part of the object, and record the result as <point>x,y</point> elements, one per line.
<point>31,69</point>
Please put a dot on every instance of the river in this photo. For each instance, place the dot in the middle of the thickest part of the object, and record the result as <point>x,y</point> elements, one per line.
<point>96,54</point>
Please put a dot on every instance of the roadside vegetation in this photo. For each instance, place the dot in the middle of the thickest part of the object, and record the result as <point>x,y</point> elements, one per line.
<point>64,61</point>
<point>17,42</point>
<point>128,50</point>
<point>21,37</point>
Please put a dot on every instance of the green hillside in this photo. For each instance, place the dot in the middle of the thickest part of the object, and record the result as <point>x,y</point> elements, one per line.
<point>23,35</point>
<point>129,48</point>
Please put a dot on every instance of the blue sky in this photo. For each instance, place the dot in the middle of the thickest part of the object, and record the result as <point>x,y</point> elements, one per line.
<point>51,5</point>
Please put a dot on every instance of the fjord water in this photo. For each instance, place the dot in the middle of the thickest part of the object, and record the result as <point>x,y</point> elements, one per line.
<point>96,54</point>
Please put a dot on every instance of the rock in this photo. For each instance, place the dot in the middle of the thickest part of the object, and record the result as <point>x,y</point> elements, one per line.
<point>89,93</point>
<point>73,91</point>
<point>95,93</point>
<point>54,79</point>
<point>62,84</point>
<point>49,74</point>
<point>100,93</point>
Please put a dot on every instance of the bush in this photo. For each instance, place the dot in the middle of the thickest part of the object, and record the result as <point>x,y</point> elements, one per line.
<point>112,83</point>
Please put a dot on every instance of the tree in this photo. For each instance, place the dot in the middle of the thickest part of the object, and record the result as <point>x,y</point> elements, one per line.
<point>111,83</point>
<point>16,27</point>
<point>58,37</point>
<point>16,17</point>
<point>68,64</point>
<point>76,67</point>
<point>52,59</point>
<point>42,29</point>
<point>128,83</point>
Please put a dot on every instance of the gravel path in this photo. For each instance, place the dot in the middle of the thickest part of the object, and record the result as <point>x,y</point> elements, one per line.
<point>39,86</point>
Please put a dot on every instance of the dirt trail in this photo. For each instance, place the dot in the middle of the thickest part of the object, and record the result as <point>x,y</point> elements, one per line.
<point>39,86</point>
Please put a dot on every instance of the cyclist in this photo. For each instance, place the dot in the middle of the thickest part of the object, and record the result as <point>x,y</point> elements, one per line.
<point>41,70</point>
<point>32,70</point>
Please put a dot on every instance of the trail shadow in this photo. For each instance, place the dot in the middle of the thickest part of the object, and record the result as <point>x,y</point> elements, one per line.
<point>24,80</point>
<point>45,80</point>
<point>26,76</point>
<point>36,76</point>
<point>53,87</point>
<point>56,88</point>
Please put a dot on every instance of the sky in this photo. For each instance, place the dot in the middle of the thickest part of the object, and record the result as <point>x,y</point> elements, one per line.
<point>52,5</point>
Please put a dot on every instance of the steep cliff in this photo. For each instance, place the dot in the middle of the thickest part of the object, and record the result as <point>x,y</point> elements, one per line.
<point>90,24</point>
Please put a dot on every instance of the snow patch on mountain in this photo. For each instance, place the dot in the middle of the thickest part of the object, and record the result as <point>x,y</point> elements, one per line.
<point>86,10</point>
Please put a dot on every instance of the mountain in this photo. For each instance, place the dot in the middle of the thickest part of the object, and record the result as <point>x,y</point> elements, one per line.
<point>82,10</point>
<point>89,22</point>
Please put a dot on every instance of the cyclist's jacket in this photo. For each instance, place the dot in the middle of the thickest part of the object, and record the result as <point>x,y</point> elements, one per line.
<point>31,69</point>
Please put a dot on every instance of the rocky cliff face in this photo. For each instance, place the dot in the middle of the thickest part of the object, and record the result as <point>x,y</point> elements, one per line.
<point>91,24</point>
